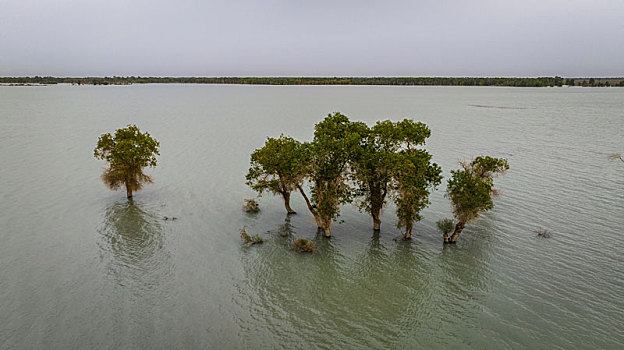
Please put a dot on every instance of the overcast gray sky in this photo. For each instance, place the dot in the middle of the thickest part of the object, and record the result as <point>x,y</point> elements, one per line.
<point>312,38</point>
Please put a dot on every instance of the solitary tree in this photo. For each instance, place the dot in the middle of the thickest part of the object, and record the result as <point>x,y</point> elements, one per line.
<point>471,189</point>
<point>336,140</point>
<point>278,167</point>
<point>127,153</point>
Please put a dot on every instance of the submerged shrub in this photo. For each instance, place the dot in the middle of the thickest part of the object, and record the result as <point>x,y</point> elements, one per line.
<point>303,245</point>
<point>251,206</point>
<point>616,156</point>
<point>445,226</point>
<point>544,233</point>
<point>248,239</point>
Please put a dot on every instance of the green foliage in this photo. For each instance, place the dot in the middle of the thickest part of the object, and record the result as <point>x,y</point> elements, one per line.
<point>277,167</point>
<point>471,188</point>
<point>303,245</point>
<point>445,225</point>
<point>379,160</point>
<point>251,206</point>
<point>127,153</point>
<point>405,134</point>
<point>415,177</point>
<point>336,141</point>
<point>128,146</point>
<point>488,167</point>
<point>389,162</point>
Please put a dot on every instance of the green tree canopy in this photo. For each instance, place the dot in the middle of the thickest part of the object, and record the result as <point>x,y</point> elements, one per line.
<point>415,177</point>
<point>471,189</point>
<point>278,167</point>
<point>336,141</point>
<point>127,152</point>
<point>389,162</point>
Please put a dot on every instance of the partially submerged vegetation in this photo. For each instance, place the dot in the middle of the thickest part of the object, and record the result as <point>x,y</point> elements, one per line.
<point>544,233</point>
<point>390,163</point>
<point>304,245</point>
<point>471,189</point>
<point>127,152</point>
<point>350,162</point>
<point>445,226</point>
<point>249,239</point>
<point>336,140</point>
<point>616,156</point>
<point>251,206</point>
<point>346,161</point>
<point>277,168</point>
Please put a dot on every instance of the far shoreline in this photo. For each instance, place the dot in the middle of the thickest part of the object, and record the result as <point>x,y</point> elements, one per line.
<point>321,81</point>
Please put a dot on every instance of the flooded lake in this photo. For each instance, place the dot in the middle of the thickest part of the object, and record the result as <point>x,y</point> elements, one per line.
<point>81,267</point>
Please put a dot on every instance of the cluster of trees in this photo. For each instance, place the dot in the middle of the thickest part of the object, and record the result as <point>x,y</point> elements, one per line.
<point>348,161</point>
<point>444,81</point>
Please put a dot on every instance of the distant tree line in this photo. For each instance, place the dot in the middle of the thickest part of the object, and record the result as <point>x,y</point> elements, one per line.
<point>400,81</point>
<point>595,82</point>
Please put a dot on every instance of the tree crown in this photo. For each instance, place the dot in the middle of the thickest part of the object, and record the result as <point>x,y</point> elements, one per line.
<point>470,189</point>
<point>336,141</point>
<point>278,166</point>
<point>128,147</point>
<point>488,167</point>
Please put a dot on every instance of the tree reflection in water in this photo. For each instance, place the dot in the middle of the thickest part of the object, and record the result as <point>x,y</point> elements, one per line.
<point>133,246</point>
<point>382,294</point>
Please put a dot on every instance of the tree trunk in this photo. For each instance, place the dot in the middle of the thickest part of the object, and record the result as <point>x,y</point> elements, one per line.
<point>312,210</point>
<point>327,228</point>
<point>128,192</point>
<point>286,196</point>
<point>378,195</point>
<point>376,224</point>
<point>458,229</point>
<point>408,233</point>
<point>320,222</point>
<point>376,220</point>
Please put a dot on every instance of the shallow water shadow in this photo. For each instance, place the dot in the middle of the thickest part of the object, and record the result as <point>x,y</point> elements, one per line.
<point>466,264</point>
<point>133,242</point>
<point>286,229</point>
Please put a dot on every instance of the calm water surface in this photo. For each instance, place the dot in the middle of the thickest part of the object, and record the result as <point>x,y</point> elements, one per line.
<point>81,267</point>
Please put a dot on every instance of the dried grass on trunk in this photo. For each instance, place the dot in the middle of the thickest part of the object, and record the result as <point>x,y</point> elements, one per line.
<point>132,178</point>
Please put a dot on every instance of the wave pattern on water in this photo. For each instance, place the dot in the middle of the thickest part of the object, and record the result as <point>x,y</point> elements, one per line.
<point>82,267</point>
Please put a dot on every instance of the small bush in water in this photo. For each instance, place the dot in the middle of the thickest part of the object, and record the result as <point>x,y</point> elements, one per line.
<point>544,233</point>
<point>445,226</point>
<point>251,206</point>
<point>248,239</point>
<point>304,245</point>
